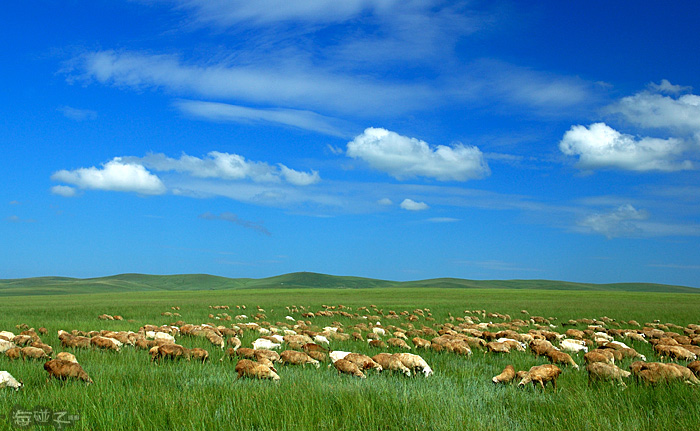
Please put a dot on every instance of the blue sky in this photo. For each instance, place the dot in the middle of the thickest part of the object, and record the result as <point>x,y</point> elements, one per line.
<point>390,139</point>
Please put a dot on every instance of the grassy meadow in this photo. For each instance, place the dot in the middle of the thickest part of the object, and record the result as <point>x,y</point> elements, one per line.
<point>131,393</point>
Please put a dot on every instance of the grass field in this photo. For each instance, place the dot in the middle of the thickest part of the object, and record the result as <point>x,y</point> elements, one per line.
<point>131,393</point>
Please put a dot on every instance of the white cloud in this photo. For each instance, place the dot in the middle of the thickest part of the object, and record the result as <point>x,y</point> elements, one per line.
<point>77,114</point>
<point>403,157</point>
<point>600,146</point>
<point>65,191</point>
<point>622,221</point>
<point>115,175</point>
<point>411,205</point>
<point>649,109</point>
<point>307,120</point>
<point>227,166</point>
<point>385,201</point>
<point>443,220</point>
<point>299,178</point>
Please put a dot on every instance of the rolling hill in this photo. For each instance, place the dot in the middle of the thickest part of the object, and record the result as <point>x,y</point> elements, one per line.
<point>298,280</point>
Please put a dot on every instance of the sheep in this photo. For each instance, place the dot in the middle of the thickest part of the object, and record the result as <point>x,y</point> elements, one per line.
<point>234,342</point>
<point>512,344</point>
<point>14,353</point>
<point>335,355</point>
<point>694,367</point>
<point>573,346</point>
<point>391,362</point>
<point>415,362</point>
<point>363,361</point>
<point>263,343</point>
<point>33,353</point>
<point>398,342</point>
<point>171,351</point>
<point>557,357</point>
<point>270,355</point>
<point>655,372</point>
<point>65,356</point>
<point>297,358</point>
<point>420,343</point>
<point>251,369</point>
<point>199,354</point>
<point>105,343</point>
<point>506,376</point>
<point>606,371</point>
<point>6,345</point>
<point>45,347</point>
<point>347,367</point>
<point>598,355</point>
<point>7,381</point>
<point>540,347</point>
<point>541,374</point>
<point>496,347</point>
<point>321,339</point>
<point>63,370</point>
<point>377,343</point>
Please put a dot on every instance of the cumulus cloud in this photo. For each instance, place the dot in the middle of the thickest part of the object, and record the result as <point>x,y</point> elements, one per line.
<point>653,109</point>
<point>403,157</point>
<point>385,201</point>
<point>411,205</point>
<point>623,221</point>
<point>600,146</point>
<point>115,175</point>
<point>233,218</point>
<point>65,191</point>
<point>228,167</point>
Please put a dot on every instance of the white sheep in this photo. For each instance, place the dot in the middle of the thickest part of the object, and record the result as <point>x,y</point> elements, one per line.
<point>263,343</point>
<point>6,380</point>
<point>573,346</point>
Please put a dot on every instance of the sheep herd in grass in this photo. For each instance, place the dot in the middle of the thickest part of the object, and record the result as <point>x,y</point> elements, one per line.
<point>601,346</point>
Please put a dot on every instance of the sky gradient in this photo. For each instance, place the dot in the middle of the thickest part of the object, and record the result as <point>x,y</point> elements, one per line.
<point>398,140</point>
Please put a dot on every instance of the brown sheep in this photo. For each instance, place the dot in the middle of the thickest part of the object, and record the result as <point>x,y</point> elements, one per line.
<point>398,342</point>
<point>255,370</point>
<point>199,354</point>
<point>656,372</point>
<point>313,347</point>
<point>144,344</point>
<point>65,356</point>
<point>14,353</point>
<point>506,376</point>
<point>270,355</point>
<point>317,355</point>
<point>347,367</point>
<point>363,361</point>
<point>22,340</point>
<point>420,343</point>
<point>415,362</point>
<point>33,353</point>
<point>63,370</point>
<point>540,347</point>
<point>234,342</point>
<point>694,367</point>
<point>246,352</point>
<point>297,358</point>
<point>606,371</point>
<point>377,343</point>
<point>599,355</point>
<point>105,343</point>
<point>170,351</point>
<point>45,347</point>
<point>77,341</point>
<point>541,374</point>
<point>496,347</point>
<point>557,357</point>
<point>391,362</point>
<point>216,340</point>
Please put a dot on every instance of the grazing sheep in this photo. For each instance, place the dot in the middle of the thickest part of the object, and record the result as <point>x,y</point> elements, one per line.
<point>391,362</point>
<point>506,376</point>
<point>496,347</point>
<point>512,344</point>
<point>656,372</point>
<point>170,351</point>
<point>573,346</point>
<point>541,374</point>
<point>33,353</point>
<point>255,370</point>
<point>270,355</point>
<point>14,353</point>
<point>199,354</point>
<point>420,343</point>
<point>216,340</point>
<point>7,381</point>
<point>234,342</point>
<point>363,361</point>
<point>540,347</point>
<point>675,352</point>
<point>599,355</point>
<point>347,367</point>
<point>45,347</point>
<point>377,343</point>
<point>605,371</point>
<point>63,370</point>
<point>557,357</point>
<point>297,358</point>
<point>6,345</point>
<point>398,342</point>
<point>263,343</point>
<point>694,367</point>
<point>105,343</point>
<point>65,356</point>
<point>415,362</point>
<point>337,354</point>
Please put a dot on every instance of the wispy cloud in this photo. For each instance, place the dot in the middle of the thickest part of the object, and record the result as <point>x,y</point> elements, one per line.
<point>17,219</point>
<point>622,221</point>
<point>411,205</point>
<point>223,112</point>
<point>233,218</point>
<point>77,114</point>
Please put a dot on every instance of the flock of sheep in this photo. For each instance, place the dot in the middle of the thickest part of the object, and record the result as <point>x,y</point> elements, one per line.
<point>298,341</point>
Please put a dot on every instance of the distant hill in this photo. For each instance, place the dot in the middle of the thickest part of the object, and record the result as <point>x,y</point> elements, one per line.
<point>144,282</point>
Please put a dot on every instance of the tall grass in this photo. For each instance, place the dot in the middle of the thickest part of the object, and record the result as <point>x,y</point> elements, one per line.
<point>132,393</point>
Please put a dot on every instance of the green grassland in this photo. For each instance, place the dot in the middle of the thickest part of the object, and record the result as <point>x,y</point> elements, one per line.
<point>131,393</point>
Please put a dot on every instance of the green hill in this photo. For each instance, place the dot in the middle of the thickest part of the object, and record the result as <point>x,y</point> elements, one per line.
<point>145,282</point>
